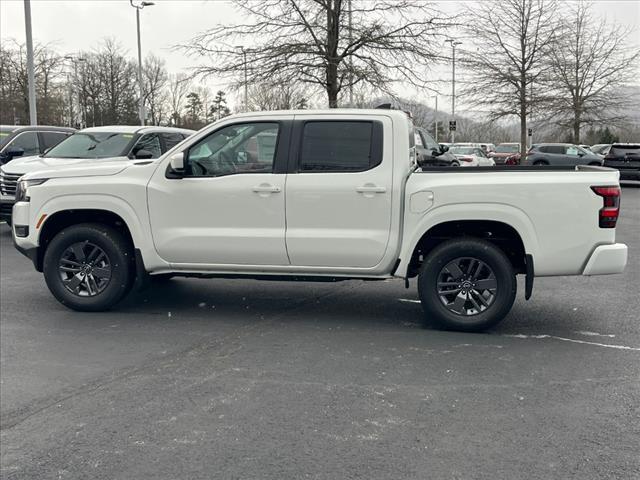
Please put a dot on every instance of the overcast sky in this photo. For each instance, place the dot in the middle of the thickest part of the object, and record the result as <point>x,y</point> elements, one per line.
<point>72,25</point>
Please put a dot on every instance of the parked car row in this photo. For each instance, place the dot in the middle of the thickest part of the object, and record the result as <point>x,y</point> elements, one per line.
<point>19,141</point>
<point>96,143</point>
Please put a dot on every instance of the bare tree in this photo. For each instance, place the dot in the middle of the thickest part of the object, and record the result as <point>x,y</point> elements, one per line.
<point>278,95</point>
<point>117,75</point>
<point>510,41</point>
<point>14,105</point>
<point>179,86</point>
<point>155,80</point>
<point>322,43</point>
<point>590,68</point>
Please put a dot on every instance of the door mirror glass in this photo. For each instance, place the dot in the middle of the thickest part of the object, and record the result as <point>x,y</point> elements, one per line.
<point>444,148</point>
<point>176,163</point>
<point>143,154</point>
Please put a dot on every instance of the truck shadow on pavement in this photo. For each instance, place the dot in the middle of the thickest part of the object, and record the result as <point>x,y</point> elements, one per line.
<point>350,304</point>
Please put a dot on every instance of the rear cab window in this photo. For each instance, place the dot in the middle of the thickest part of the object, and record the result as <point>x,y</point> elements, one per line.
<point>624,150</point>
<point>341,146</point>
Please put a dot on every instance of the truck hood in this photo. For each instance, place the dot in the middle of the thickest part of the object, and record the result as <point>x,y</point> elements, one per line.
<point>24,165</point>
<point>70,167</point>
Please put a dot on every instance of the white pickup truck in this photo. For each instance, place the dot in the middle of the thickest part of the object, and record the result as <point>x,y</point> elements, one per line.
<point>318,195</point>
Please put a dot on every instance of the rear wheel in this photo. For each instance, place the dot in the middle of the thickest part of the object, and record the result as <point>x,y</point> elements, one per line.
<point>455,164</point>
<point>540,163</point>
<point>596,164</point>
<point>467,285</point>
<point>89,267</point>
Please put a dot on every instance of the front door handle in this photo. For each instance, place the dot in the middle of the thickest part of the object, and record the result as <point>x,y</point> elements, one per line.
<point>266,188</point>
<point>370,188</point>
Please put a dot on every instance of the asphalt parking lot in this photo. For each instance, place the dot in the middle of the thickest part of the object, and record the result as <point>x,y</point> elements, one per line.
<point>271,380</point>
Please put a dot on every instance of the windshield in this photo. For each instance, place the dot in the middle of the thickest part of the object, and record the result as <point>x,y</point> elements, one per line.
<point>5,133</point>
<point>507,148</point>
<point>92,145</point>
<point>462,150</point>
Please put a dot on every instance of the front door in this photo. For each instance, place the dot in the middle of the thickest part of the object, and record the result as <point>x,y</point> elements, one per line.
<point>339,192</point>
<point>229,206</point>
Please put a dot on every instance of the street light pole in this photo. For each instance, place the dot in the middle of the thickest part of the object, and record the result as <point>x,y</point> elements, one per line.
<point>350,59</point>
<point>453,43</point>
<point>139,7</point>
<point>246,81</point>
<point>436,119</point>
<point>33,114</point>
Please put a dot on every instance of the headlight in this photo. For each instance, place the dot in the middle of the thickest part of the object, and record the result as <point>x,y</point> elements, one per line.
<point>21,189</point>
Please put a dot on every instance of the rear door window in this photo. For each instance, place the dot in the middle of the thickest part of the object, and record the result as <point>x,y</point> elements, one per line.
<point>171,139</point>
<point>149,142</point>
<point>340,146</point>
<point>572,151</point>
<point>557,149</point>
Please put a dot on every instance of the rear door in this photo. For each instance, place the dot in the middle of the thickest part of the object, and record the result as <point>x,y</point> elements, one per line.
<point>339,191</point>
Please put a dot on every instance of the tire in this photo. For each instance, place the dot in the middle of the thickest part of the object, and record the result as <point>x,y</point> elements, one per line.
<point>71,262</point>
<point>9,221</point>
<point>454,164</point>
<point>469,254</point>
<point>596,164</point>
<point>540,163</point>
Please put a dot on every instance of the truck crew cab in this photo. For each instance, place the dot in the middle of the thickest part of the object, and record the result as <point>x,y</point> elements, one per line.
<point>330,194</point>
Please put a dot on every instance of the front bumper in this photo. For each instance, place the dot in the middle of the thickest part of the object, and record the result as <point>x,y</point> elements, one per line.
<point>606,260</point>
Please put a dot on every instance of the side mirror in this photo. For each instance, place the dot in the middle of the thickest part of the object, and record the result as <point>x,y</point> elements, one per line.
<point>143,154</point>
<point>444,148</point>
<point>12,152</point>
<point>176,163</point>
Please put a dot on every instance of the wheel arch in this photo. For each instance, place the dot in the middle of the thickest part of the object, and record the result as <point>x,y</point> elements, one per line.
<point>62,219</point>
<point>509,229</point>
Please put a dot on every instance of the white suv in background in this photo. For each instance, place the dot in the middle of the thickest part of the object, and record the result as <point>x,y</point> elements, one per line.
<point>90,144</point>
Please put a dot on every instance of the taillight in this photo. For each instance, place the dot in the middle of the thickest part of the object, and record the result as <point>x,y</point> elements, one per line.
<point>608,214</point>
<point>466,159</point>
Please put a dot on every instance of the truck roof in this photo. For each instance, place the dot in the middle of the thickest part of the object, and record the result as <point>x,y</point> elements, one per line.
<point>326,111</point>
<point>135,129</point>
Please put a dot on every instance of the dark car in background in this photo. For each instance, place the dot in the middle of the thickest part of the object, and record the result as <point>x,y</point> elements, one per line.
<point>504,151</point>
<point>430,152</point>
<point>626,158</point>
<point>560,154</point>
<point>19,141</point>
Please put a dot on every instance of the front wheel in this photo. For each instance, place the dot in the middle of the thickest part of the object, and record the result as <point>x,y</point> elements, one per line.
<point>89,267</point>
<point>466,285</point>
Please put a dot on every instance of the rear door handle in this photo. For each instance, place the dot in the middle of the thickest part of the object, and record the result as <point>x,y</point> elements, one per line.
<point>266,188</point>
<point>371,189</point>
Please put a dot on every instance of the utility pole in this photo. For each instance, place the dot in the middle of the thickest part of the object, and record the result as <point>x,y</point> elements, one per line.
<point>453,43</point>
<point>350,59</point>
<point>436,119</point>
<point>139,7</point>
<point>33,114</point>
